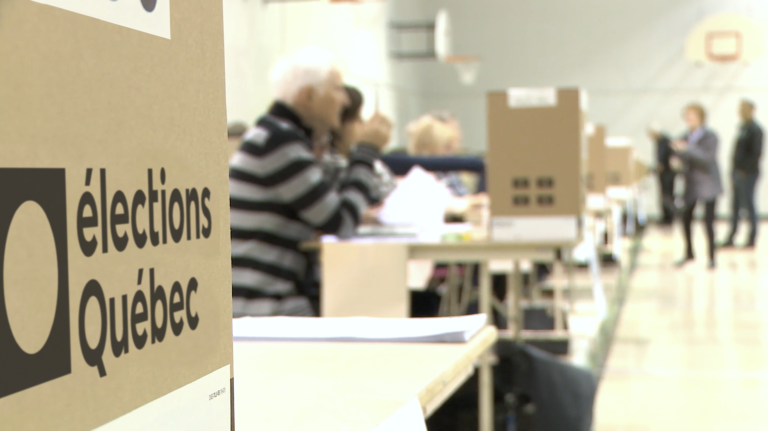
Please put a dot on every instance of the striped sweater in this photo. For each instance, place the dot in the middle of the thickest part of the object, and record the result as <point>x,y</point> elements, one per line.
<point>279,198</point>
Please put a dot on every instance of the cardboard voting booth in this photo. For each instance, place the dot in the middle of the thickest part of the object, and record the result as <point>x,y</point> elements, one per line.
<point>596,172</point>
<point>619,166</point>
<point>640,171</point>
<point>115,292</point>
<point>536,164</point>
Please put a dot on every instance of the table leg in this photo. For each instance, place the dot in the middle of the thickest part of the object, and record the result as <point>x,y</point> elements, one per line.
<point>559,326</point>
<point>467,288</point>
<point>453,290</point>
<point>485,292</point>
<point>519,312</point>
<point>571,277</point>
<point>485,389</point>
<point>510,298</point>
<point>485,398</point>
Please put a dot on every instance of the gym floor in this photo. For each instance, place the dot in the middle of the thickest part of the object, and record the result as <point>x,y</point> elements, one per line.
<point>691,347</point>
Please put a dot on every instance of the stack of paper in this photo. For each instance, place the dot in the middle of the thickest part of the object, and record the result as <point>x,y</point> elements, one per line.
<point>363,329</point>
<point>419,200</point>
<point>386,231</point>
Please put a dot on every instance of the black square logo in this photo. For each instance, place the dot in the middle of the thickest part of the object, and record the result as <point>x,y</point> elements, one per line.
<point>20,370</point>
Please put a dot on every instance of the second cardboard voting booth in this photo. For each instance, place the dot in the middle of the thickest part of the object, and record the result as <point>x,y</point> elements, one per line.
<point>596,172</point>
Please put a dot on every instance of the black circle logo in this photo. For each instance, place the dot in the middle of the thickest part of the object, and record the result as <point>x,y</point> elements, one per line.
<point>149,5</point>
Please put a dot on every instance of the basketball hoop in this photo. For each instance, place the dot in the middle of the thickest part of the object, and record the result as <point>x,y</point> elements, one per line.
<point>725,39</point>
<point>467,67</point>
<point>724,46</point>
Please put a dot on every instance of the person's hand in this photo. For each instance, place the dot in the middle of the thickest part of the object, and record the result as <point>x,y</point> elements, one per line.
<point>679,146</point>
<point>371,215</point>
<point>377,131</point>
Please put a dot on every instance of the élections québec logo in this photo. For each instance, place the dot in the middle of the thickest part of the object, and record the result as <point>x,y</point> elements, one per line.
<point>114,222</point>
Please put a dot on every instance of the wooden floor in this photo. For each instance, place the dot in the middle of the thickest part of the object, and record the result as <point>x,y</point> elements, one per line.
<point>691,346</point>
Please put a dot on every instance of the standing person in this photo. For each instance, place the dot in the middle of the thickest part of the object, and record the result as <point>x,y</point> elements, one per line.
<point>698,152</point>
<point>746,170</point>
<point>279,195</point>
<point>665,172</point>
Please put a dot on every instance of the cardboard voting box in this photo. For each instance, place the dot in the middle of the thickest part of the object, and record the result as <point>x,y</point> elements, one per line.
<point>596,155</point>
<point>536,164</point>
<point>115,281</point>
<point>640,171</point>
<point>620,165</point>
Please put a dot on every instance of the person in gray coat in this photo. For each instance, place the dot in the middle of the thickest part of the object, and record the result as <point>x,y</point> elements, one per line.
<point>698,152</point>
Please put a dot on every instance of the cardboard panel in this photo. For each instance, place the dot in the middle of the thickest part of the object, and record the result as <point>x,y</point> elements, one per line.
<point>115,281</point>
<point>536,153</point>
<point>353,286</point>
<point>596,179</point>
<point>640,171</point>
<point>619,166</point>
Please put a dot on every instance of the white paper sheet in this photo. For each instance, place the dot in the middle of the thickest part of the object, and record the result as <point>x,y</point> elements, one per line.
<point>409,418</point>
<point>418,200</point>
<point>363,329</point>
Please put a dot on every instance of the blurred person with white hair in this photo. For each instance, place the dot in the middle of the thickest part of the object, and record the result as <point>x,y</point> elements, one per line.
<point>430,136</point>
<point>666,172</point>
<point>445,117</point>
<point>279,195</point>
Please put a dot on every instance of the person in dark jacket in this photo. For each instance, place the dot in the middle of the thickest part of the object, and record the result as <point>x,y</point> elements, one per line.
<point>665,172</point>
<point>746,170</point>
<point>698,152</point>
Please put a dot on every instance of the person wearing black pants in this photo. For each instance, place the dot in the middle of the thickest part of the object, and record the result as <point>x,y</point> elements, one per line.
<point>709,222</point>
<point>745,173</point>
<point>697,152</point>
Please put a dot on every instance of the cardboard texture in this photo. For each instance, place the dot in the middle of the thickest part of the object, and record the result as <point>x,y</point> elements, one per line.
<point>112,153</point>
<point>386,292</point>
<point>596,172</point>
<point>620,166</point>
<point>536,156</point>
<point>640,171</point>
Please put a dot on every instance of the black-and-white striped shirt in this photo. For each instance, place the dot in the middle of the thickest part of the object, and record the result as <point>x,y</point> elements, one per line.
<point>279,198</point>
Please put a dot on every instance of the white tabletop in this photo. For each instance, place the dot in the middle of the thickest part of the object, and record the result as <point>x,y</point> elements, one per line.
<point>288,386</point>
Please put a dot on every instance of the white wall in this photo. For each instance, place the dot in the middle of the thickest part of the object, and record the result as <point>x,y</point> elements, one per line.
<point>628,54</point>
<point>258,34</point>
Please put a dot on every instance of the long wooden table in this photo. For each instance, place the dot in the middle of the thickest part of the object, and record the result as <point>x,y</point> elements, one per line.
<point>367,277</point>
<point>320,386</point>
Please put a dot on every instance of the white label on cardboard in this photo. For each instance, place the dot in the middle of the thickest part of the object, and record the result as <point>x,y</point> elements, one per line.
<point>518,98</point>
<point>203,404</point>
<point>410,417</point>
<point>535,229</point>
<point>148,16</point>
<point>584,100</point>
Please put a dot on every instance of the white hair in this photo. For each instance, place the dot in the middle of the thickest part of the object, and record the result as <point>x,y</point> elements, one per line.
<point>307,67</point>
